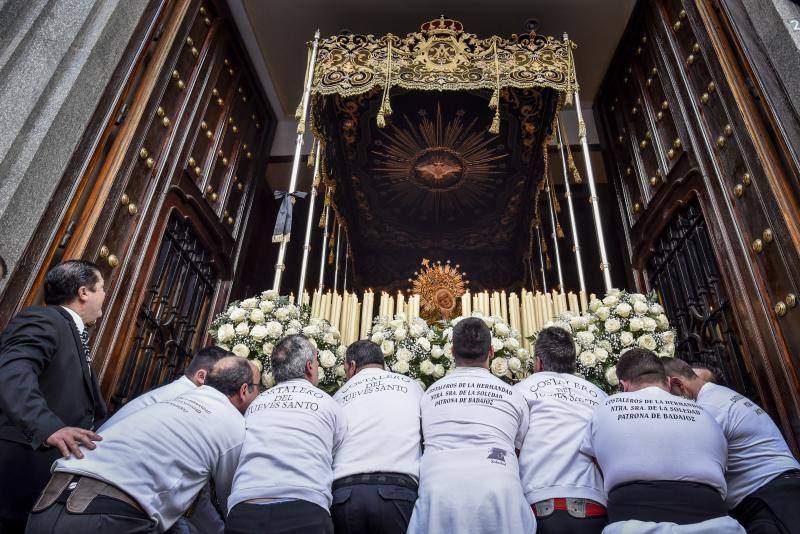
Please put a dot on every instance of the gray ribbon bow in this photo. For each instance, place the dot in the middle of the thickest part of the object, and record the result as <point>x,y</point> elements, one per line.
<point>283,226</point>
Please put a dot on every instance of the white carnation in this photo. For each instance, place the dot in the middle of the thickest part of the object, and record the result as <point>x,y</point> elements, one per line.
<point>226,332</point>
<point>258,332</point>
<point>623,310</point>
<point>240,350</point>
<point>640,307</point>
<point>497,344</point>
<point>388,348</point>
<point>401,367</point>
<point>274,329</point>
<point>424,343</point>
<point>605,344</point>
<point>647,342</point>
<point>611,376</point>
<point>499,366</point>
<point>587,358</point>
<point>249,304</point>
<point>438,371</point>
<point>426,367</point>
<point>238,315</point>
<point>404,355</point>
<point>626,338</point>
<point>327,359</point>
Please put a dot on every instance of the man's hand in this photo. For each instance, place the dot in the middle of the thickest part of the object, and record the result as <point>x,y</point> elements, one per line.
<point>67,439</point>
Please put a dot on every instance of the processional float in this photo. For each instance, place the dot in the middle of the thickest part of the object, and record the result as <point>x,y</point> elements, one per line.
<point>440,57</point>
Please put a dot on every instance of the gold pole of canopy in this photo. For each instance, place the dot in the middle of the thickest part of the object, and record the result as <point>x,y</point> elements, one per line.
<point>595,201</point>
<point>301,125</point>
<point>575,243</point>
<point>336,261</point>
<point>324,253</point>
<point>307,241</point>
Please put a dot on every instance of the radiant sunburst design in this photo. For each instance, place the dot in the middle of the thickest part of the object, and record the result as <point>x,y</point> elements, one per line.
<point>437,167</point>
<point>439,287</point>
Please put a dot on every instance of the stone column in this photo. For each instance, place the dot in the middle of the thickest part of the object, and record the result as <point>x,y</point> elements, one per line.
<point>56,57</point>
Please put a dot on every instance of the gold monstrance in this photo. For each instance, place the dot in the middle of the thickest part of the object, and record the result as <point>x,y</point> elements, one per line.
<point>439,287</point>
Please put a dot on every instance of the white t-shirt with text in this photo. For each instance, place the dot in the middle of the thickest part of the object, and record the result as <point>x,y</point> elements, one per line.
<point>550,463</point>
<point>293,431</point>
<point>383,424</point>
<point>651,434</point>
<point>174,389</point>
<point>757,452</point>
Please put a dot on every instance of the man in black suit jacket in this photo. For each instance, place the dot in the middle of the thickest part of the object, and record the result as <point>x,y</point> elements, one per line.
<point>50,400</point>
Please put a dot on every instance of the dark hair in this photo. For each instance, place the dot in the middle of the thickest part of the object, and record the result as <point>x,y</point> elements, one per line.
<point>229,374</point>
<point>289,357</point>
<point>62,282</point>
<point>677,367</point>
<point>205,359</point>
<point>556,350</point>
<point>471,339</point>
<point>640,366</point>
<point>716,372</point>
<point>364,352</point>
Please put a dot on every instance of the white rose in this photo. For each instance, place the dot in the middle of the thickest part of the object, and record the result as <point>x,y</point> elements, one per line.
<point>426,367</point>
<point>656,308</point>
<point>267,379</point>
<point>502,329</point>
<point>436,352</point>
<point>421,384</point>
<point>340,372</point>
<point>274,329</point>
<point>612,325</point>
<point>623,310</point>
<point>267,348</point>
<point>400,334</point>
<point>291,331</point>
<point>424,343</point>
<point>404,355</point>
<point>611,376</point>
<point>257,316</point>
<point>310,330</point>
<point>577,323</point>
<point>313,342</point>
<point>489,321</point>
<point>329,338</point>
<point>297,325</point>
<point>282,314</point>
<point>241,350</point>
<point>321,374</point>
<point>662,321</point>
<point>614,291</point>
<point>223,346</point>
<point>514,364</point>
<point>226,332</point>
<point>448,334</point>
<point>626,338</point>
<point>416,330</point>
<point>335,332</point>
<point>327,359</point>
<point>639,307</point>
<point>587,358</point>
<point>258,332</point>
<point>269,294</point>
<point>649,324</point>
<point>594,305</point>
<point>499,366</point>
<point>601,354</point>
<point>647,342</point>
<point>636,324</point>
<point>401,367</point>
<point>511,344</point>
<point>266,306</point>
<point>669,349</point>
<point>396,323</point>
<point>610,300</point>
<point>238,315</point>
<point>388,348</point>
<point>341,351</point>
<point>523,354</point>
<point>605,344</point>
<point>378,337</point>
<point>637,297</point>
<point>243,328</point>
<point>438,371</point>
<point>249,304</point>
<point>603,312</point>
<point>497,344</point>
<point>585,339</point>
<point>668,337</point>
<point>258,364</point>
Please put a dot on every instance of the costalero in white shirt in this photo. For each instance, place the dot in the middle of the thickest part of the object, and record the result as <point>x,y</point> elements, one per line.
<point>174,389</point>
<point>757,452</point>
<point>651,434</point>
<point>293,430</point>
<point>383,424</point>
<point>165,453</point>
<point>550,462</point>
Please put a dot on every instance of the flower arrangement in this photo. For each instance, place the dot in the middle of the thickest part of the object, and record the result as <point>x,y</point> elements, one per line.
<point>250,328</point>
<point>612,326</point>
<point>511,362</point>
<point>411,348</point>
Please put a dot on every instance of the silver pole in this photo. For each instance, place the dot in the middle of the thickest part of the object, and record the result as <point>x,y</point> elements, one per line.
<point>324,255</point>
<point>280,264</point>
<point>595,201</point>
<point>309,224</point>
<point>575,244</point>
<point>555,235</point>
<point>541,257</point>
<point>346,260</point>
<point>336,261</point>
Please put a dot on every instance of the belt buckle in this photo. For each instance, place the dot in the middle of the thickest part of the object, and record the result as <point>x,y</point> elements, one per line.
<point>576,507</point>
<point>544,508</point>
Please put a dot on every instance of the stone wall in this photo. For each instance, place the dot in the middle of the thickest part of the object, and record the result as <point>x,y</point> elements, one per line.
<point>56,57</point>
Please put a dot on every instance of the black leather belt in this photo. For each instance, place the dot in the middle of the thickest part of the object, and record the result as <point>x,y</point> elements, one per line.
<point>394,479</point>
<point>791,473</point>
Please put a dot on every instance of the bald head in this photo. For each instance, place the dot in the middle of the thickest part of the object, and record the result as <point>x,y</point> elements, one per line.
<point>237,378</point>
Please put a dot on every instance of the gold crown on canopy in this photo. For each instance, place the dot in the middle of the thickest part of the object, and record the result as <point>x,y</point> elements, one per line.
<point>439,285</point>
